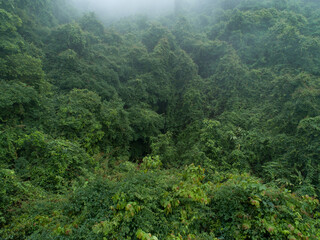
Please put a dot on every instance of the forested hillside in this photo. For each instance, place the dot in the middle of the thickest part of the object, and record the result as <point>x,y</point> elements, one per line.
<point>201,124</point>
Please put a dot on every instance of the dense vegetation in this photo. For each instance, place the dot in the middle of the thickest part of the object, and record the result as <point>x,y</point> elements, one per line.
<point>204,124</point>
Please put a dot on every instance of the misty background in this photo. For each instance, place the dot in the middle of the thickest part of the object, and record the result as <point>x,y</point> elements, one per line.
<point>123,8</point>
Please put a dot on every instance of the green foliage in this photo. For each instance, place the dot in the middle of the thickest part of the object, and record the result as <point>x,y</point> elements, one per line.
<point>145,236</point>
<point>13,192</point>
<point>8,148</point>
<point>90,24</point>
<point>163,146</point>
<point>149,163</point>
<point>9,22</point>
<point>24,68</point>
<point>69,36</point>
<point>17,102</point>
<point>145,124</point>
<point>50,163</point>
<point>10,42</point>
<point>173,205</point>
<point>153,36</point>
<point>255,210</point>
<point>104,126</point>
<point>78,119</point>
<point>117,128</point>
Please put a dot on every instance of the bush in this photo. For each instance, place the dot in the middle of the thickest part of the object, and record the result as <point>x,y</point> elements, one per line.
<point>12,192</point>
<point>50,163</point>
<point>244,207</point>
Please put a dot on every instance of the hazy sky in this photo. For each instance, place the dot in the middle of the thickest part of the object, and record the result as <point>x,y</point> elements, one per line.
<point>120,8</point>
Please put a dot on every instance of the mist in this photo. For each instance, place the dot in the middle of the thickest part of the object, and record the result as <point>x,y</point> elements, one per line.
<point>107,9</point>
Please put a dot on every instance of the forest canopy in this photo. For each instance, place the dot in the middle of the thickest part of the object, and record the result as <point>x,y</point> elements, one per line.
<point>199,122</point>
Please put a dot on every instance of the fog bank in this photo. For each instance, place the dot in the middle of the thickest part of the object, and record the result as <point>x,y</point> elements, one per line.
<point>123,8</point>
